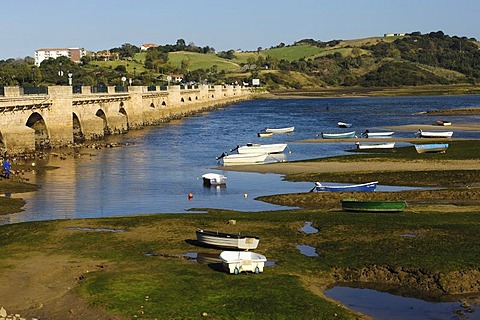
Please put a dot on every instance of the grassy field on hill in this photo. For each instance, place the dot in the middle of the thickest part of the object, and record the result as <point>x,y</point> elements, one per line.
<point>202,61</point>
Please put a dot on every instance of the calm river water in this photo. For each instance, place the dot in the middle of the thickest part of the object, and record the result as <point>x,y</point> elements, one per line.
<point>161,165</point>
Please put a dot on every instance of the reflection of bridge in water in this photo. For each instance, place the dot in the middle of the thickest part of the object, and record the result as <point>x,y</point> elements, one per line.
<point>60,117</point>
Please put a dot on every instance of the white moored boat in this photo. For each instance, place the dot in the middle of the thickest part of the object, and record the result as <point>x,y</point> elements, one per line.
<point>431,148</point>
<point>368,134</point>
<point>227,240</point>
<point>239,261</point>
<point>214,179</point>
<point>262,148</point>
<point>367,145</point>
<point>435,134</point>
<point>280,130</point>
<point>243,158</point>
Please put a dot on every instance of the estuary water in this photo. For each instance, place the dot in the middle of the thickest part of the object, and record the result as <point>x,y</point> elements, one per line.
<point>159,166</point>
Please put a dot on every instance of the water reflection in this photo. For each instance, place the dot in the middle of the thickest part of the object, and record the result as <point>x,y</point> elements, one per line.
<point>308,228</point>
<point>157,167</point>
<point>307,250</point>
<point>382,305</point>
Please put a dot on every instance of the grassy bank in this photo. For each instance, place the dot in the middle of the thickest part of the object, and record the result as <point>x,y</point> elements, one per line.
<point>380,91</point>
<point>141,270</point>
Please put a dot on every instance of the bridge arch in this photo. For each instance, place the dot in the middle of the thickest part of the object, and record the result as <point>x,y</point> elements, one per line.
<point>124,112</point>
<point>42,136</point>
<point>78,135</point>
<point>2,142</point>
<point>103,116</point>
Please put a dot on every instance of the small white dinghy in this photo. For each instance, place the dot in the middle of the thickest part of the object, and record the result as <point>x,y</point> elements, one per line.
<point>239,261</point>
<point>214,179</point>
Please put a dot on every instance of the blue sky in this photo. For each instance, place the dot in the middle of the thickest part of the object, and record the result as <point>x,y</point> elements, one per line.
<point>27,25</point>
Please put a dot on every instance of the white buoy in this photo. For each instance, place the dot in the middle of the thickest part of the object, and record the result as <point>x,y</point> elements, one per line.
<point>245,195</point>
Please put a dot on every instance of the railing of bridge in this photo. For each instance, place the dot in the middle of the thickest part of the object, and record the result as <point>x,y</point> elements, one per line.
<point>152,88</point>
<point>119,89</point>
<point>99,89</point>
<point>77,89</point>
<point>34,90</point>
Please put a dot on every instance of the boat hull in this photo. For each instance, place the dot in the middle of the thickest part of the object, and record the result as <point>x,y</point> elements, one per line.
<point>379,134</point>
<point>262,148</point>
<point>244,158</point>
<point>435,134</point>
<point>214,179</point>
<point>344,125</point>
<point>344,135</point>
<point>279,130</point>
<point>242,261</point>
<point>432,148</point>
<point>227,240</point>
<point>364,187</point>
<point>363,146</point>
<point>373,206</point>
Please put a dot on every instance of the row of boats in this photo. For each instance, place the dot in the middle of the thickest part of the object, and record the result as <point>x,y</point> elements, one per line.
<point>352,134</point>
<point>254,152</point>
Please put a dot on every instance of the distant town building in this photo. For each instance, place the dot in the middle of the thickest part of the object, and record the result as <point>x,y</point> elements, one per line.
<point>176,77</point>
<point>394,35</point>
<point>74,54</point>
<point>146,46</point>
<point>106,55</point>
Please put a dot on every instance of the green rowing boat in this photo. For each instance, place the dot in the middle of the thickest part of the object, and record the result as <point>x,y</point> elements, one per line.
<point>373,206</point>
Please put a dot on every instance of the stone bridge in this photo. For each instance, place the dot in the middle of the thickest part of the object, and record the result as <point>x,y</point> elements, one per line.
<point>60,117</point>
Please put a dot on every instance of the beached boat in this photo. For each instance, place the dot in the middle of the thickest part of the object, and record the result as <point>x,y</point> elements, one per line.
<point>236,158</point>
<point>261,148</point>
<point>344,135</point>
<point>264,134</point>
<point>434,134</point>
<point>242,261</point>
<point>214,179</point>
<point>363,187</point>
<point>226,240</point>
<point>368,134</point>
<point>344,124</point>
<point>431,147</point>
<point>368,145</point>
<point>280,130</point>
<point>443,123</point>
<point>373,206</point>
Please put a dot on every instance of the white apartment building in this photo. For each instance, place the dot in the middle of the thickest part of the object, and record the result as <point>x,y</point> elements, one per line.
<point>74,54</point>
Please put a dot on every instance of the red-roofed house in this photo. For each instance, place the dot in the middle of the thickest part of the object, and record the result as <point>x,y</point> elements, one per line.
<point>146,46</point>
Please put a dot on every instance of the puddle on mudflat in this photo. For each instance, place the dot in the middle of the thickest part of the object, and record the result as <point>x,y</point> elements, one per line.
<point>308,251</point>
<point>307,228</point>
<point>411,235</point>
<point>96,229</point>
<point>382,305</point>
<point>151,254</point>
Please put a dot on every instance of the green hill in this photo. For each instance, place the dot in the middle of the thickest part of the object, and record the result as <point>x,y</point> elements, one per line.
<point>411,60</point>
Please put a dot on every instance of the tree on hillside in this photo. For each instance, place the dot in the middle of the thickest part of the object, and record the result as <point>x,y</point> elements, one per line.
<point>127,50</point>
<point>226,54</point>
<point>180,45</point>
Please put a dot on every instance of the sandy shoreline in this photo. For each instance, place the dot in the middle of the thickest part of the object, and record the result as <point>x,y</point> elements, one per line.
<point>285,168</point>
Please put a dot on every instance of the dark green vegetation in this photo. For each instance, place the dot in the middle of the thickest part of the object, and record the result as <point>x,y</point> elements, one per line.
<point>457,150</point>
<point>412,60</point>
